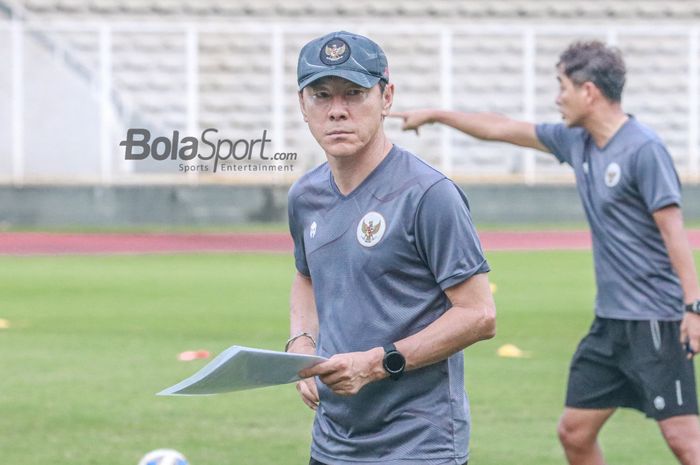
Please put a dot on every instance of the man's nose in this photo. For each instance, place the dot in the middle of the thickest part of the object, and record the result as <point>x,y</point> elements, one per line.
<point>338,109</point>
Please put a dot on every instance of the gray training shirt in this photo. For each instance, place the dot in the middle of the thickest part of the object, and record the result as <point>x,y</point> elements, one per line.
<point>621,185</point>
<point>379,260</point>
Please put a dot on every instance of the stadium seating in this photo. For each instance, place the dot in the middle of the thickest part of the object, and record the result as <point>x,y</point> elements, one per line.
<point>236,65</point>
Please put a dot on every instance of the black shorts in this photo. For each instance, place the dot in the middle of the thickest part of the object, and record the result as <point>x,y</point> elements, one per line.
<point>635,364</point>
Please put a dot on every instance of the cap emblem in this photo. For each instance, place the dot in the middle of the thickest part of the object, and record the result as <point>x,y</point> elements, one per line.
<point>335,52</point>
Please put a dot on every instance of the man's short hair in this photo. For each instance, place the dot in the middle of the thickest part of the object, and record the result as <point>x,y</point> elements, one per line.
<point>595,62</point>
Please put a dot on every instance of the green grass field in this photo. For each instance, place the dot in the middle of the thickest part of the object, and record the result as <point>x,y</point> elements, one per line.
<point>93,338</point>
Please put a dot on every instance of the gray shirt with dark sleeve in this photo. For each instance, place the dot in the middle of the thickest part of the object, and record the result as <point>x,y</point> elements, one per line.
<point>621,185</point>
<point>379,260</point>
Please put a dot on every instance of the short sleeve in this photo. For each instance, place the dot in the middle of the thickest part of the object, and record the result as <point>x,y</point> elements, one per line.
<point>445,235</point>
<point>297,231</point>
<point>656,177</point>
<point>558,139</point>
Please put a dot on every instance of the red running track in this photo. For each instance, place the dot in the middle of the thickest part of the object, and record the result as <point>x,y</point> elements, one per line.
<point>61,243</point>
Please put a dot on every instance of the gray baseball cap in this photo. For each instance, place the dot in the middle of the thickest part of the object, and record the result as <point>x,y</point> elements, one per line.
<point>343,54</point>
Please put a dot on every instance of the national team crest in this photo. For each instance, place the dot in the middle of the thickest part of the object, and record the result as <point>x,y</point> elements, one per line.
<point>612,174</point>
<point>371,229</point>
<point>335,52</point>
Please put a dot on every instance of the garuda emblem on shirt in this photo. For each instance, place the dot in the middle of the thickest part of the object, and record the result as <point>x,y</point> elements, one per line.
<point>371,229</point>
<point>613,174</point>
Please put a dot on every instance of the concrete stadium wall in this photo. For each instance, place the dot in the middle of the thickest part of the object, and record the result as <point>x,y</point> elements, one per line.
<point>129,206</point>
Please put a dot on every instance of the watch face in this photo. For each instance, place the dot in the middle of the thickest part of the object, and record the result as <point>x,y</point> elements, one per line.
<point>394,362</point>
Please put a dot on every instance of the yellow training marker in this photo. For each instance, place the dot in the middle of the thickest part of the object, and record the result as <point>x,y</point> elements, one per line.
<point>494,288</point>
<point>511,351</point>
<point>4,324</point>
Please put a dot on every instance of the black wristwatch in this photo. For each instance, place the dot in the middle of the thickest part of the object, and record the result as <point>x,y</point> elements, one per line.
<point>394,363</point>
<point>693,307</point>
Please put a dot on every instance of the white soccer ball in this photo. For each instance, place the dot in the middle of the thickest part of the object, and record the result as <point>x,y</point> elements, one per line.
<point>164,457</point>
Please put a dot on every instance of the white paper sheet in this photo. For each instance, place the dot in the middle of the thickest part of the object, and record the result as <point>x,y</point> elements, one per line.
<point>238,368</point>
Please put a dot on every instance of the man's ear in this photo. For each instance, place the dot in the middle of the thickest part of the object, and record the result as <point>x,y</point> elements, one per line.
<point>387,99</point>
<point>301,105</point>
<point>592,91</point>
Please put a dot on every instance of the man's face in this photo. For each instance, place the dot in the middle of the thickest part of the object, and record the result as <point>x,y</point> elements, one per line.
<point>343,116</point>
<point>573,100</point>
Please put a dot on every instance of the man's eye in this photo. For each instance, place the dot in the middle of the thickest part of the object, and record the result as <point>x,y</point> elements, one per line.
<point>321,95</point>
<point>353,92</point>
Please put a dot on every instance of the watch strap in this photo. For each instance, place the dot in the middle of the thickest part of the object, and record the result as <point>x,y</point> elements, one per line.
<point>389,348</point>
<point>693,307</point>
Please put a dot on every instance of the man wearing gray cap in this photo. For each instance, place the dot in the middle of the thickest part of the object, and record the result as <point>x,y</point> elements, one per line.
<point>391,279</point>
